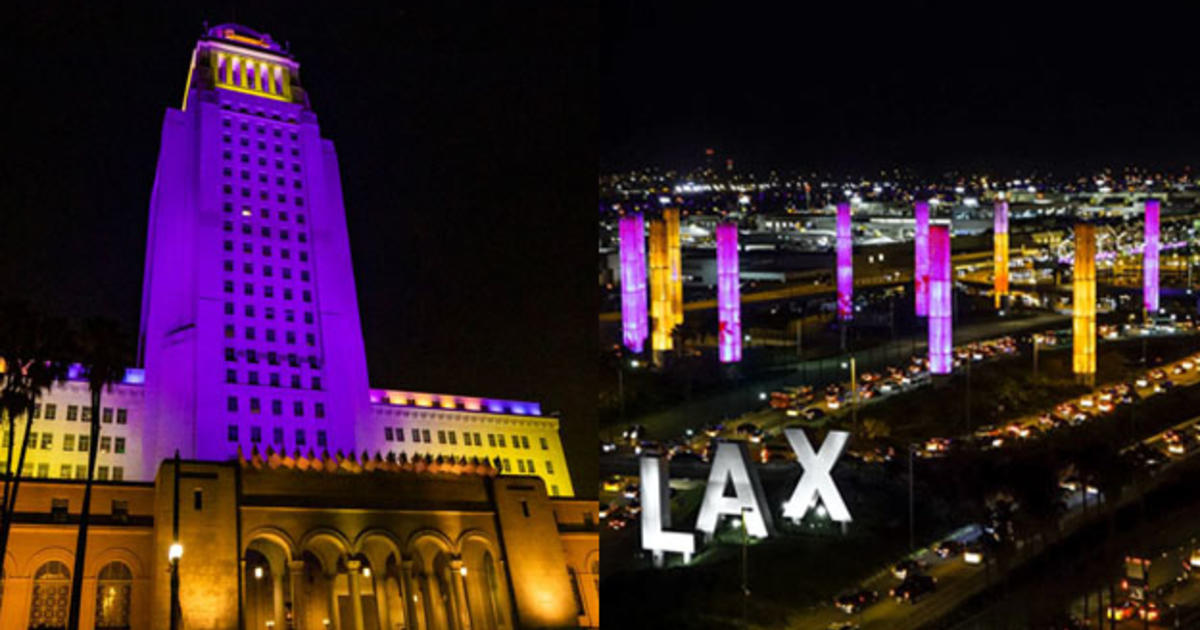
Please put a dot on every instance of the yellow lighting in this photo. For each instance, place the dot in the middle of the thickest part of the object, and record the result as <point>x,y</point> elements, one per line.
<point>258,573</point>
<point>660,289</point>
<point>366,571</point>
<point>1084,304</point>
<point>174,552</point>
<point>1001,267</point>
<point>462,571</point>
<point>674,264</point>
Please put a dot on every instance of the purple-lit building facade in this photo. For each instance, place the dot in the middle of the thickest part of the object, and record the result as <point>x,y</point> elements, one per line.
<point>729,299</point>
<point>1150,258</point>
<point>940,306</point>
<point>845,263</point>
<point>634,322</point>
<point>921,257</point>
<point>250,334</point>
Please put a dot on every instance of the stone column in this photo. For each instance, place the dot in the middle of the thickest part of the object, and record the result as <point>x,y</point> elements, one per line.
<point>299,607</point>
<point>245,603</point>
<point>277,600</point>
<point>353,567</point>
<point>460,593</point>
<point>408,593</point>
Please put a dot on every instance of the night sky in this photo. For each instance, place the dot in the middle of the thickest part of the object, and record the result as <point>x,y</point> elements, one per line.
<point>852,87</point>
<point>465,139</point>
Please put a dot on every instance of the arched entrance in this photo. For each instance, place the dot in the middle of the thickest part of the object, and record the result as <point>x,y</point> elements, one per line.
<point>51,596</point>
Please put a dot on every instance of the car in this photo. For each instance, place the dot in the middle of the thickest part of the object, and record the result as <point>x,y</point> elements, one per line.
<point>948,549</point>
<point>606,509</point>
<point>906,567</point>
<point>1158,374</point>
<point>714,430</point>
<point>1121,611</point>
<point>1194,558</point>
<point>851,603</point>
<point>612,484</point>
<point>617,522</point>
<point>973,555</point>
<point>630,491</point>
<point>1142,381</point>
<point>913,588</point>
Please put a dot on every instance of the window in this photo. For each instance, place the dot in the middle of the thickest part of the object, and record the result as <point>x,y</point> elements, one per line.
<point>69,442</point>
<point>492,440</point>
<point>81,471</point>
<point>122,416</point>
<point>231,403</point>
<point>298,408</point>
<point>230,376</point>
<point>387,434</point>
<point>72,412</point>
<point>231,433</point>
<point>108,415</point>
<point>277,435</point>
<point>119,445</point>
<point>197,499</point>
<point>65,471</point>
<point>441,437</point>
<point>102,473</point>
<point>416,435</point>
<point>105,444</point>
<point>252,377</point>
<point>507,465</point>
<point>524,442</point>
<point>255,406</point>
<point>51,408</point>
<point>553,490</point>
<point>521,465</point>
<point>320,438</point>
<point>399,434</point>
<point>277,407</point>
<point>230,354</point>
<point>47,441</point>
<point>319,410</point>
<point>299,437</point>
<point>118,473</point>
<point>84,442</point>
<point>316,382</point>
<point>255,434</point>
<point>43,471</point>
<point>51,591</point>
<point>549,467</point>
<point>529,466</point>
<point>545,446</point>
<point>425,436</point>
<point>31,439</point>
<point>477,442</point>
<point>500,437</point>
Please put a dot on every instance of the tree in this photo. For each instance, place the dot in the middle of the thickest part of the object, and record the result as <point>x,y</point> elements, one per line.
<point>101,349</point>
<point>31,351</point>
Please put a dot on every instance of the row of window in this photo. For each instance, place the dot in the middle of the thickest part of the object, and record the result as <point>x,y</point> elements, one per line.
<point>46,443</point>
<point>260,144</point>
<point>244,158</point>
<point>255,406</point>
<point>468,438</point>
<point>268,291</point>
<point>267,270</point>
<point>251,355</point>
<point>231,377</point>
<point>42,471</point>
<point>265,232</point>
<point>263,195</point>
<point>251,335</point>
<point>260,129</point>
<point>277,435</point>
<point>289,315</point>
<point>73,413</point>
<point>284,253</point>
<point>263,178</point>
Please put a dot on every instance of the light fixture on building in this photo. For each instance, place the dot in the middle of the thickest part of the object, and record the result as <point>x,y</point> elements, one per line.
<point>462,571</point>
<point>366,571</point>
<point>258,573</point>
<point>174,552</point>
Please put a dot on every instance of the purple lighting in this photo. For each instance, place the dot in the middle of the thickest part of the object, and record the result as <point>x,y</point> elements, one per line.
<point>729,309</point>
<point>633,282</point>
<point>1150,259</point>
<point>940,325</point>
<point>845,263</point>
<point>921,257</point>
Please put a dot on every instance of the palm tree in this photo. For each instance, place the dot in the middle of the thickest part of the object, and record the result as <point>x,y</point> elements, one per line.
<point>31,347</point>
<point>101,347</point>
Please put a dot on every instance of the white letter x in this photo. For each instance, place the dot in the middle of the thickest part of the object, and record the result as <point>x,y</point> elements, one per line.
<point>815,481</point>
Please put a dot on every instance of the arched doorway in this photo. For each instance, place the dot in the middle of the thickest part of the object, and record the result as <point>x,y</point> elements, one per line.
<point>114,593</point>
<point>51,596</point>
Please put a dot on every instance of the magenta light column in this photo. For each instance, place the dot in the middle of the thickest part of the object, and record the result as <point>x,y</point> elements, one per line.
<point>845,263</point>
<point>940,309</point>
<point>1150,259</point>
<point>921,257</point>
<point>729,298</point>
<point>634,322</point>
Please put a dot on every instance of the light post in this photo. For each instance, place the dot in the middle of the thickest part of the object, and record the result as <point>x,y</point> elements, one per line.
<point>175,552</point>
<point>853,365</point>
<point>912,449</point>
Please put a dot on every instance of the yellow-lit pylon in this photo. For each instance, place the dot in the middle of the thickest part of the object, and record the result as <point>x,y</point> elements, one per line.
<point>660,292</point>
<point>1084,304</point>
<point>1000,257</point>
<point>674,264</point>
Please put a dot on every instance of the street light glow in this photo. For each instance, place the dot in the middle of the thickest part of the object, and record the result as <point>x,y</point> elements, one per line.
<point>174,552</point>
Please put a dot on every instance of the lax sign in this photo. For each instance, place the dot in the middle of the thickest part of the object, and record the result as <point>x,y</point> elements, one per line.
<point>732,466</point>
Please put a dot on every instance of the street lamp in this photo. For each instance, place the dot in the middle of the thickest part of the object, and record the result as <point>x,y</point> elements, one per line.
<point>853,365</point>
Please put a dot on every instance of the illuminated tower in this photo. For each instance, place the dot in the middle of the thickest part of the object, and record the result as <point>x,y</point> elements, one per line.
<point>921,257</point>
<point>660,289</point>
<point>1000,256</point>
<point>845,263</point>
<point>633,281</point>
<point>1084,305</point>
<point>1150,259</point>
<point>250,332</point>
<point>674,263</point>
<point>940,308</point>
<point>729,307</point>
